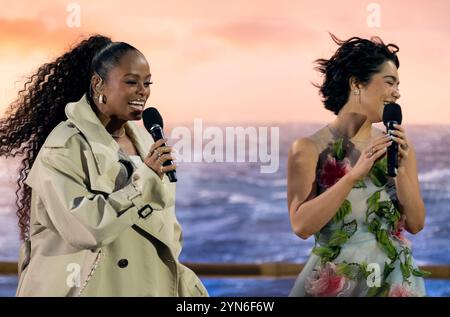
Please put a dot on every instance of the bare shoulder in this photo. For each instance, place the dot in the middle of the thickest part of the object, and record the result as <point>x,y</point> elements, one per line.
<point>303,148</point>
<point>312,145</point>
<point>302,145</point>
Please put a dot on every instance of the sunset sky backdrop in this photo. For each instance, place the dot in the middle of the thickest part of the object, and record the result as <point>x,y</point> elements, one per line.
<point>238,60</point>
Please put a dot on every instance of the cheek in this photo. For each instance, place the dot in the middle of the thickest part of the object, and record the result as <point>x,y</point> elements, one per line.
<point>376,94</point>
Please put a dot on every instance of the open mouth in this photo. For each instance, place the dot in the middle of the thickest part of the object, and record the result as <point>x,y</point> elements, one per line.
<point>137,104</point>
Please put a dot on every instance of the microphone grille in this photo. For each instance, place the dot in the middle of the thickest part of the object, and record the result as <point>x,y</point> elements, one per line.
<point>392,112</point>
<point>151,116</point>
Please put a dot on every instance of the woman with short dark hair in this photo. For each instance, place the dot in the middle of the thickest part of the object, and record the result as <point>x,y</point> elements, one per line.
<point>338,189</point>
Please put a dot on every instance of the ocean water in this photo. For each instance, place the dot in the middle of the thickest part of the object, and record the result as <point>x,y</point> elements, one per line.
<point>231,212</point>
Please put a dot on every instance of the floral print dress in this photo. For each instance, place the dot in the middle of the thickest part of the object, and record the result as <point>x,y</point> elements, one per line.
<point>362,250</point>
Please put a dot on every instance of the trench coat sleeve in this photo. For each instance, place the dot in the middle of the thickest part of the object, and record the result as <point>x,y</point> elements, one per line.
<point>85,219</point>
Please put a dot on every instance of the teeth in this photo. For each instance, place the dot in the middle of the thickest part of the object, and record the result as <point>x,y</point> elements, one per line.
<point>137,103</point>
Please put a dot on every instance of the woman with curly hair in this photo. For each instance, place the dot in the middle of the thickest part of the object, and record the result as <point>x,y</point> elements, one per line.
<point>96,211</point>
<point>338,189</point>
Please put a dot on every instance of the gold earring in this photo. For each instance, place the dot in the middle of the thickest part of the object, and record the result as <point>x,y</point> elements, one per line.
<point>101,98</point>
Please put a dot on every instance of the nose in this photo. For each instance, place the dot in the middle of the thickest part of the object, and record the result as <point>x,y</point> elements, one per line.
<point>396,93</point>
<point>140,89</point>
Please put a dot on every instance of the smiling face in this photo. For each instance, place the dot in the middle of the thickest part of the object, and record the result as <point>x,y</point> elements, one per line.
<point>127,88</point>
<point>381,89</point>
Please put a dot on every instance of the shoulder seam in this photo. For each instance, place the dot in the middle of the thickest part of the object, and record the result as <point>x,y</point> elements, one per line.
<point>59,136</point>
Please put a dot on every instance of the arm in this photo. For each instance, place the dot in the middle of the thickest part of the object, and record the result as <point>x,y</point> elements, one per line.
<point>308,212</point>
<point>407,184</point>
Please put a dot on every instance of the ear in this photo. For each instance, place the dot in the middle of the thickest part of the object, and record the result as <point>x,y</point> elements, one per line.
<point>354,84</point>
<point>96,84</point>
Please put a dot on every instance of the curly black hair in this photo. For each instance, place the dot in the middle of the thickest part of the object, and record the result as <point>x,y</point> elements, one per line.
<point>356,57</point>
<point>40,105</point>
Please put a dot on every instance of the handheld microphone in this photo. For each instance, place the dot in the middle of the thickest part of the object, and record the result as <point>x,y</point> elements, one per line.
<point>153,122</point>
<point>392,114</point>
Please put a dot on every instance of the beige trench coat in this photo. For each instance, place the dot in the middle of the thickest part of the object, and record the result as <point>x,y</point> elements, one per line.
<point>92,230</point>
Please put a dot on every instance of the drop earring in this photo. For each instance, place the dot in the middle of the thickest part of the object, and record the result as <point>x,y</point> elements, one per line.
<point>101,98</point>
<point>357,92</point>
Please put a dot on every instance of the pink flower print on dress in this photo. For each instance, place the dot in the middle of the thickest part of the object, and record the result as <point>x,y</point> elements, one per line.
<point>401,290</point>
<point>325,282</point>
<point>398,233</point>
<point>332,171</point>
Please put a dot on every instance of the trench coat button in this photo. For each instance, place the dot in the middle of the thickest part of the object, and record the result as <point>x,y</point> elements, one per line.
<point>123,263</point>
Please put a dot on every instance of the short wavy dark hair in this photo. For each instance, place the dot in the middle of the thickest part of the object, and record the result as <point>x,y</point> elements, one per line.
<point>356,57</point>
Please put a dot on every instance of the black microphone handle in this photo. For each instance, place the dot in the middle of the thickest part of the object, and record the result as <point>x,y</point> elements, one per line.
<point>158,134</point>
<point>392,153</point>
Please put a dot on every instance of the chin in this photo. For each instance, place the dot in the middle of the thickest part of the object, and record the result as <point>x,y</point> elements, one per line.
<point>135,116</point>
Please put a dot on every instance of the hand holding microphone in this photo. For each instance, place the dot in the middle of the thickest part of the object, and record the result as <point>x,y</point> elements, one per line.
<point>392,118</point>
<point>159,159</point>
<point>158,155</point>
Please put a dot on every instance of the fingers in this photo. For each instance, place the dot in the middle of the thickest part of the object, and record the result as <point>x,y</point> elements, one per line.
<point>374,152</point>
<point>398,132</point>
<point>402,142</point>
<point>158,155</point>
<point>378,144</point>
<point>164,149</point>
<point>380,140</point>
<point>169,168</point>
<point>399,128</point>
<point>399,136</point>
<point>163,158</point>
<point>380,152</point>
<point>157,144</point>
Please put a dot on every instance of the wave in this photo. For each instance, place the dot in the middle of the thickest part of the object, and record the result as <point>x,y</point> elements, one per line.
<point>241,199</point>
<point>437,175</point>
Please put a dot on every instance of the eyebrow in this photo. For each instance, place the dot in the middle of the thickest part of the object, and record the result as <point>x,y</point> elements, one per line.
<point>393,77</point>
<point>136,75</point>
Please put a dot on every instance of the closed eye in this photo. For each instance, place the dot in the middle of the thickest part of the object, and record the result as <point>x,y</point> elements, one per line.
<point>146,84</point>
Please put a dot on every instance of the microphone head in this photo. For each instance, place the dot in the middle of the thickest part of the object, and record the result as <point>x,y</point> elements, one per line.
<point>151,116</point>
<point>392,112</point>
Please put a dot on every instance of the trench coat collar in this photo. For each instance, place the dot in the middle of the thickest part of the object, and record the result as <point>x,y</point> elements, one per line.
<point>104,147</point>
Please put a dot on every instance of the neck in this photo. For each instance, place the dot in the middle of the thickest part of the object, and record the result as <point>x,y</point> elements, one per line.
<point>113,125</point>
<point>352,123</point>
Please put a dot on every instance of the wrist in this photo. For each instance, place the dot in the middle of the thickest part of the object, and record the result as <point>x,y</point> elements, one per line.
<point>351,179</point>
